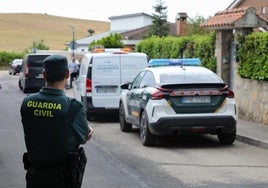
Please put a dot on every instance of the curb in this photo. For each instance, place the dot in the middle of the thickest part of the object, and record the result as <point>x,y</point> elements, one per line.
<point>252,141</point>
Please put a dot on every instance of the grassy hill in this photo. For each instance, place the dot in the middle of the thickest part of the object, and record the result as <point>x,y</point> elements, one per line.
<point>19,30</point>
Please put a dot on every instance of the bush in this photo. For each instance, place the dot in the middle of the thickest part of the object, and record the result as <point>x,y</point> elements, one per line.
<point>199,46</point>
<point>253,56</point>
<point>7,57</point>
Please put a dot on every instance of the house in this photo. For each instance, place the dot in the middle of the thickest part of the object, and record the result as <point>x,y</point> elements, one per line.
<point>132,27</point>
<point>119,24</point>
<point>261,7</point>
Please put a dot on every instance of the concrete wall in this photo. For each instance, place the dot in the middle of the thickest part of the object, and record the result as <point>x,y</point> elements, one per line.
<point>251,98</point>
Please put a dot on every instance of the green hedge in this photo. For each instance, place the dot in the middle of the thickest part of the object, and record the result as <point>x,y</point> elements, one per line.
<point>253,56</point>
<point>198,46</point>
<point>7,57</point>
<point>252,51</point>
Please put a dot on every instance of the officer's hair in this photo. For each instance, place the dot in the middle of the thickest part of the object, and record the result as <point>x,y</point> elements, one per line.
<point>53,77</point>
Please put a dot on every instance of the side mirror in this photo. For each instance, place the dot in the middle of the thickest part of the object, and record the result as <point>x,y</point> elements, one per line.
<point>126,86</point>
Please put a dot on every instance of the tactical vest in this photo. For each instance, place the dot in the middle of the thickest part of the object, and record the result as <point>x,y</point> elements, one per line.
<point>48,130</point>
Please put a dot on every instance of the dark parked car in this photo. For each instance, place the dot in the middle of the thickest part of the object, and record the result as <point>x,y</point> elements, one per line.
<point>31,78</point>
<point>15,66</point>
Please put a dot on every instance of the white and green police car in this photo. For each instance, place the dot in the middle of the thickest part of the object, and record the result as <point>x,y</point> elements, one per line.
<point>178,96</point>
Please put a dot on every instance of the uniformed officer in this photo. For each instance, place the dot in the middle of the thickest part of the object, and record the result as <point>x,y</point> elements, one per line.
<point>54,127</point>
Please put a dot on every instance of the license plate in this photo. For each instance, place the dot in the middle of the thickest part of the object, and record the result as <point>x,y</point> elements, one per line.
<point>106,89</point>
<point>196,99</point>
<point>39,76</point>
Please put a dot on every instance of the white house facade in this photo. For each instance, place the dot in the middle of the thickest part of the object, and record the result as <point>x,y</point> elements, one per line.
<point>119,24</point>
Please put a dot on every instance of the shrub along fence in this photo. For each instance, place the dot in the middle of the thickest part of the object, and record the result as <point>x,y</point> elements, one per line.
<point>201,46</point>
<point>252,51</point>
<point>253,56</point>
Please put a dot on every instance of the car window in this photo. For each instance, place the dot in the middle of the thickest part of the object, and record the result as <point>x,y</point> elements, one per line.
<point>17,62</point>
<point>173,78</point>
<point>36,61</point>
<point>136,82</point>
<point>148,80</point>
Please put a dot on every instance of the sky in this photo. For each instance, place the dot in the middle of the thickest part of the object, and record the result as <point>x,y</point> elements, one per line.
<point>101,10</point>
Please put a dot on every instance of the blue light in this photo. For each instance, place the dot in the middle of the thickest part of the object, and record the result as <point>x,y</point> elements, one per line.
<point>170,62</point>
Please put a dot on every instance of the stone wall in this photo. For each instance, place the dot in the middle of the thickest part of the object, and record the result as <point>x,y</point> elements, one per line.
<point>251,98</point>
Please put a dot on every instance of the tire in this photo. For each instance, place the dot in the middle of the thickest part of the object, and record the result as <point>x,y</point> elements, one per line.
<point>227,138</point>
<point>90,117</point>
<point>25,90</point>
<point>147,138</point>
<point>124,126</point>
<point>20,85</point>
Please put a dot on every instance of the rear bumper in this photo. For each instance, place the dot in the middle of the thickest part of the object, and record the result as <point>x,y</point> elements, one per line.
<point>34,83</point>
<point>91,109</point>
<point>194,125</point>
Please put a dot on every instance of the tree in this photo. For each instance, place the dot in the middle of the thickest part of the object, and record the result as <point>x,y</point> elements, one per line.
<point>193,26</point>
<point>90,31</point>
<point>111,41</point>
<point>37,45</point>
<point>159,25</point>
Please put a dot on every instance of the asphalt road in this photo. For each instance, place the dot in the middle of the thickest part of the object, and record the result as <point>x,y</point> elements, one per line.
<point>118,160</point>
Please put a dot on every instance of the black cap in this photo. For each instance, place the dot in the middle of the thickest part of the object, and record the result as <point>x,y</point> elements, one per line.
<point>55,63</point>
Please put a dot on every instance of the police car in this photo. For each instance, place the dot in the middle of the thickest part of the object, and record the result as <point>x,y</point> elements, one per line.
<point>178,96</point>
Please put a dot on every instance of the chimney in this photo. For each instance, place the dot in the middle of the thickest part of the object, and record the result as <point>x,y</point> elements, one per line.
<point>181,23</point>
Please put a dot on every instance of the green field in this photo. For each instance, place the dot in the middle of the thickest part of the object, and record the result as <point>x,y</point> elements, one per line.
<point>19,30</point>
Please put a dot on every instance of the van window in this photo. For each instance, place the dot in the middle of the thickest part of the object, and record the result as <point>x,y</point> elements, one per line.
<point>89,71</point>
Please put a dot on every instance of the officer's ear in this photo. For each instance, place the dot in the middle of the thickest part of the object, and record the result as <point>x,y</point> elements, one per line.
<point>67,73</point>
<point>44,74</point>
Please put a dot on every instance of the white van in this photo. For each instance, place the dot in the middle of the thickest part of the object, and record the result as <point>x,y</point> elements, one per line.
<point>100,78</point>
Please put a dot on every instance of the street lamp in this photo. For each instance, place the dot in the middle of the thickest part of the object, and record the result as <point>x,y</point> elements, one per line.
<point>73,42</point>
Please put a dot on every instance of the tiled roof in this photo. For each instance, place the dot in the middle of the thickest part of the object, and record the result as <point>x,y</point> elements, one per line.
<point>138,34</point>
<point>225,18</point>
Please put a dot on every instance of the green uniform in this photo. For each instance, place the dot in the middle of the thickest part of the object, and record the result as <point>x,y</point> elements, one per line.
<point>51,130</point>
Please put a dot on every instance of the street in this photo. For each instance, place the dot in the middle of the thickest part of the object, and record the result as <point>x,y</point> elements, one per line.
<point>118,160</point>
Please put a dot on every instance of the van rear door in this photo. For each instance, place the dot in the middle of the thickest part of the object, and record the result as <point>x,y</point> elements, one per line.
<point>131,65</point>
<point>106,81</point>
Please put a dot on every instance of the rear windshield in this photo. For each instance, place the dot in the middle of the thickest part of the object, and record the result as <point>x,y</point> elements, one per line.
<point>17,62</point>
<point>175,78</point>
<point>36,61</point>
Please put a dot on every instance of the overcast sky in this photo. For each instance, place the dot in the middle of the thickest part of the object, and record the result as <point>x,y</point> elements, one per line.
<point>101,10</point>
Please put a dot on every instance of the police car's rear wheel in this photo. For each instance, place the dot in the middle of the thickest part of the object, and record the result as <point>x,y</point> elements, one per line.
<point>124,126</point>
<point>147,138</point>
<point>227,138</point>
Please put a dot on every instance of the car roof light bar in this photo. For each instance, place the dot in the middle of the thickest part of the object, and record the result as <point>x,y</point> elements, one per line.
<point>170,62</point>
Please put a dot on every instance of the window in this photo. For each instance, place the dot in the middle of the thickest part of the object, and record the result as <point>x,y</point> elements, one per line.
<point>263,10</point>
<point>137,80</point>
<point>148,80</point>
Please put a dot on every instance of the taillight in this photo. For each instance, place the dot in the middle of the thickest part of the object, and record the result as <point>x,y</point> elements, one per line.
<point>159,93</point>
<point>88,85</point>
<point>227,92</point>
<point>26,69</point>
